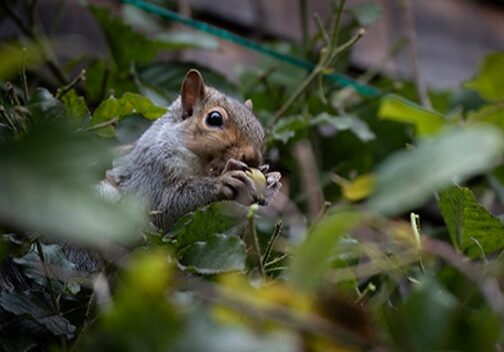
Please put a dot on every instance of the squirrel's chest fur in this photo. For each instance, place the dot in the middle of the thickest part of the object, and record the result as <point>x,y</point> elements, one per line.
<point>158,160</point>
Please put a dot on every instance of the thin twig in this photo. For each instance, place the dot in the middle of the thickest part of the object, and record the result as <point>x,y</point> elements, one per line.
<point>271,243</point>
<point>322,30</point>
<point>65,89</point>
<point>420,85</point>
<point>99,125</point>
<point>24,80</point>
<point>335,26</point>
<point>45,269</point>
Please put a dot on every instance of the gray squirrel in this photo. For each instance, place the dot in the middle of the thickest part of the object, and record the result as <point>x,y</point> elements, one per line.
<point>198,153</point>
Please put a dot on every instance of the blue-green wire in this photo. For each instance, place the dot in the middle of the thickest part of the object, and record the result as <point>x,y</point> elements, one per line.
<point>342,80</point>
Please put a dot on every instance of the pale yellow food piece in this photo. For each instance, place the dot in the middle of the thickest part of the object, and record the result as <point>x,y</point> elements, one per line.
<point>259,179</point>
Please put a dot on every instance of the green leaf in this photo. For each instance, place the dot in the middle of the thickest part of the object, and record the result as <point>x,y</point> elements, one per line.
<point>489,82</point>
<point>407,179</point>
<point>220,217</point>
<point>75,106</point>
<point>126,45</point>
<point>46,187</point>
<point>45,106</point>
<point>313,257</point>
<point>54,257</point>
<point>285,129</point>
<point>472,228</point>
<point>366,14</point>
<point>30,305</point>
<point>351,123</point>
<point>424,321</point>
<point>396,108</point>
<point>218,254</point>
<point>128,104</point>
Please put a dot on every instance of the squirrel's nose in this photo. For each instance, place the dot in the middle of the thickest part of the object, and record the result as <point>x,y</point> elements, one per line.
<point>250,156</point>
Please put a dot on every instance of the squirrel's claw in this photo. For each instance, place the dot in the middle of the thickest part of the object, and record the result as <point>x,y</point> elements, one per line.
<point>237,186</point>
<point>233,164</point>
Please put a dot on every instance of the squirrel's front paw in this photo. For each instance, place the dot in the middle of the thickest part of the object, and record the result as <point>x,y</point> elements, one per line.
<point>234,184</point>
<point>273,184</point>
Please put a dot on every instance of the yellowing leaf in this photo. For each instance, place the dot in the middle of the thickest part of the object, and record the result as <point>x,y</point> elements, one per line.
<point>358,189</point>
<point>395,108</point>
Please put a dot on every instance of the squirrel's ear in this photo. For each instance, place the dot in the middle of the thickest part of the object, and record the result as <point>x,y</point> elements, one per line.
<point>248,103</point>
<point>193,90</point>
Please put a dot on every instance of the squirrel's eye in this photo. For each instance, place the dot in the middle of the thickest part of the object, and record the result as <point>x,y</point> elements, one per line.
<point>214,119</point>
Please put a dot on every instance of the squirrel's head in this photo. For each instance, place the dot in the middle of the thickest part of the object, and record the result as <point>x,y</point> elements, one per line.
<point>218,127</point>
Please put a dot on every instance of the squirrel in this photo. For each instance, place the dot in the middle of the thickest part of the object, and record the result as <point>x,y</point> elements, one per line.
<point>199,152</point>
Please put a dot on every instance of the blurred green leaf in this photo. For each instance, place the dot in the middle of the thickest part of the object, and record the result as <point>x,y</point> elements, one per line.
<point>142,317</point>
<point>46,186</point>
<point>407,179</point>
<point>424,321</point>
<point>218,254</point>
<point>13,55</point>
<point>396,108</point>
<point>313,257</point>
<point>126,45</point>
<point>75,106</point>
<point>351,123</point>
<point>366,14</point>
<point>221,217</point>
<point>472,228</point>
<point>489,82</point>
<point>24,304</point>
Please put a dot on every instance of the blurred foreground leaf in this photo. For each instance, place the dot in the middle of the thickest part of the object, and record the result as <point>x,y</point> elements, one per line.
<point>407,179</point>
<point>489,82</point>
<point>47,186</point>
<point>424,320</point>
<point>396,108</point>
<point>472,228</point>
<point>13,54</point>
<point>312,257</point>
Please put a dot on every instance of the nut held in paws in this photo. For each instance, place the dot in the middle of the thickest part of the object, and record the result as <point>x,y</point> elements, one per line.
<point>259,180</point>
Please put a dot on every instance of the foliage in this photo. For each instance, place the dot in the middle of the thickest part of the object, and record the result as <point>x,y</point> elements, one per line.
<point>402,251</point>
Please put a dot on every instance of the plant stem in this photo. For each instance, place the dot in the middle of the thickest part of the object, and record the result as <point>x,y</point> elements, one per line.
<point>99,125</point>
<point>45,269</point>
<point>420,85</point>
<point>65,89</point>
<point>271,243</point>
<point>326,60</point>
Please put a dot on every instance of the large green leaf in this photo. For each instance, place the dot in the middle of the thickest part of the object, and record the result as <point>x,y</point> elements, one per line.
<point>30,305</point>
<point>313,257</point>
<point>75,106</point>
<point>220,217</point>
<point>489,82</point>
<point>128,104</point>
<point>407,179</point>
<point>423,322</point>
<point>219,253</point>
<point>396,108</point>
<point>473,229</point>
